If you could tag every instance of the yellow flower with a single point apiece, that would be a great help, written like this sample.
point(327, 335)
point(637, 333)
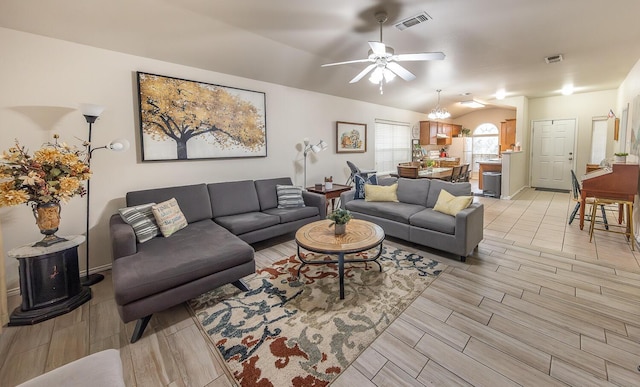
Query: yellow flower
point(68, 186)
point(46, 155)
point(13, 197)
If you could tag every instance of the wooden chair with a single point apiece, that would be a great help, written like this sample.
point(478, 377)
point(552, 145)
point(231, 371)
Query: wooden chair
point(577, 197)
point(626, 229)
point(408, 171)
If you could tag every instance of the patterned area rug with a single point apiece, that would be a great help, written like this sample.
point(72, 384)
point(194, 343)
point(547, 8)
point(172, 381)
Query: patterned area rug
point(297, 332)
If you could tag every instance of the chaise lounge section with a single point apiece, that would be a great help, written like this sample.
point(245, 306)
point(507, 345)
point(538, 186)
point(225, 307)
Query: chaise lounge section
point(211, 251)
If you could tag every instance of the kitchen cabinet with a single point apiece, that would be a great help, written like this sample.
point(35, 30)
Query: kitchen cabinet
point(455, 130)
point(507, 134)
point(435, 133)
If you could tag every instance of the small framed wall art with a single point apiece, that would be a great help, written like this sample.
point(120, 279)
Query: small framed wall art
point(351, 137)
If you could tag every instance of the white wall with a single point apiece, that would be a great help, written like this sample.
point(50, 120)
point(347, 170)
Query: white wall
point(583, 107)
point(628, 93)
point(476, 118)
point(45, 79)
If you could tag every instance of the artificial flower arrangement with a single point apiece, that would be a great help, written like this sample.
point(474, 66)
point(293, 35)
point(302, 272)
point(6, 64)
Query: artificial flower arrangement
point(53, 174)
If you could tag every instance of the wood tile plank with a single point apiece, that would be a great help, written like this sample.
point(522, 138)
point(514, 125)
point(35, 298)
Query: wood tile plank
point(196, 364)
point(434, 374)
point(537, 279)
point(24, 365)
point(67, 345)
point(515, 282)
point(555, 348)
point(610, 353)
point(487, 282)
point(622, 376)
point(404, 356)
point(392, 375)
point(435, 327)
point(351, 378)
point(509, 366)
point(525, 353)
point(532, 322)
point(460, 364)
point(472, 287)
point(574, 376)
point(369, 363)
point(461, 307)
point(567, 322)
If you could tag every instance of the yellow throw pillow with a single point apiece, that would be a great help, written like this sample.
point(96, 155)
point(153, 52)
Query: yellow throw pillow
point(380, 193)
point(451, 205)
point(169, 217)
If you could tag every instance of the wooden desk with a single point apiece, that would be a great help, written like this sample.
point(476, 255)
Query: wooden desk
point(331, 194)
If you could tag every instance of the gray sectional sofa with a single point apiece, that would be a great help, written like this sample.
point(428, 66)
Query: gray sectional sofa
point(213, 250)
point(413, 218)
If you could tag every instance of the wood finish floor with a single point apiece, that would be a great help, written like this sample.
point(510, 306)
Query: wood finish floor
point(536, 305)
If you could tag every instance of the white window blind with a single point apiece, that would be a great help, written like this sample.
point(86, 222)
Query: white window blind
point(393, 145)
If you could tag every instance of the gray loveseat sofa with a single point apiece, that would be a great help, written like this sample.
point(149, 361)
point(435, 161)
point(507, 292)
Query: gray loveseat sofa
point(413, 218)
point(213, 250)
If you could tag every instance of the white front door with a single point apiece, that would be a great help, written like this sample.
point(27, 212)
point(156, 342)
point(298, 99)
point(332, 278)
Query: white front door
point(552, 153)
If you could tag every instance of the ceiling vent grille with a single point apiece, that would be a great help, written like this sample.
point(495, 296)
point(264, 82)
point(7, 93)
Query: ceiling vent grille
point(554, 59)
point(412, 21)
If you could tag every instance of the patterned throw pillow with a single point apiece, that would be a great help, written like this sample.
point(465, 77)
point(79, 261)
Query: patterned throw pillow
point(169, 217)
point(451, 205)
point(142, 220)
point(289, 196)
point(360, 182)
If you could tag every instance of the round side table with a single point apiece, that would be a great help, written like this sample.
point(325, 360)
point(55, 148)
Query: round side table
point(49, 281)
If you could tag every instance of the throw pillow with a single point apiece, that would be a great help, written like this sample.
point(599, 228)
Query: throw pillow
point(451, 205)
point(142, 220)
point(169, 217)
point(360, 183)
point(381, 193)
point(289, 196)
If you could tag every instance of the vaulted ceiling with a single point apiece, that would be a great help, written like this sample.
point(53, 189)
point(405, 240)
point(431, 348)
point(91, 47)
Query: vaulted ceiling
point(489, 44)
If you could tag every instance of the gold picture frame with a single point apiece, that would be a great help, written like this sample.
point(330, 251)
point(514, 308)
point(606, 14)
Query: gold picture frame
point(351, 137)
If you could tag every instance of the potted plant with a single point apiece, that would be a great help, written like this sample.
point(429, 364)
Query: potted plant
point(340, 218)
point(620, 157)
point(465, 132)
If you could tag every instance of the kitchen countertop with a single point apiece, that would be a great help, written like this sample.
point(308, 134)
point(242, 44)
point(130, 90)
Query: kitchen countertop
point(493, 162)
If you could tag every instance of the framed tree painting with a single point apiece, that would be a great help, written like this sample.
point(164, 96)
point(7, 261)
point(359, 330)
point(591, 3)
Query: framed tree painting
point(188, 120)
point(351, 137)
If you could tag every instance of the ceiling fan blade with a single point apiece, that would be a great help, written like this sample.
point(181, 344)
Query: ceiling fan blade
point(401, 71)
point(363, 73)
point(419, 56)
point(378, 48)
point(347, 62)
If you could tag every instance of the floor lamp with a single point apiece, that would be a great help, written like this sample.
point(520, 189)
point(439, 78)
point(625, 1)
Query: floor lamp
point(319, 147)
point(91, 113)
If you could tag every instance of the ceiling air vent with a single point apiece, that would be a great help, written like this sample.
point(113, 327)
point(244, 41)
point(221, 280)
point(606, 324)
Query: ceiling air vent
point(554, 59)
point(412, 21)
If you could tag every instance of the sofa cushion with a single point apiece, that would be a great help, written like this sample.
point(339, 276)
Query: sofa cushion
point(359, 183)
point(287, 215)
point(455, 189)
point(451, 205)
point(400, 212)
point(266, 190)
point(434, 220)
point(200, 249)
point(380, 193)
point(192, 199)
point(289, 196)
point(169, 217)
point(413, 191)
point(141, 219)
point(247, 222)
point(234, 197)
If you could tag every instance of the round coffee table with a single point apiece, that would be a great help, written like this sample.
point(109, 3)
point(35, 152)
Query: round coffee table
point(360, 236)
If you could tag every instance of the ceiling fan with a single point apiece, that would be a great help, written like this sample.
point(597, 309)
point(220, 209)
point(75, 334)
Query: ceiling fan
point(384, 60)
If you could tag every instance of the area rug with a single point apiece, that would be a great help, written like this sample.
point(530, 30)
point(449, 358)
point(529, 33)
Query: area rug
point(289, 331)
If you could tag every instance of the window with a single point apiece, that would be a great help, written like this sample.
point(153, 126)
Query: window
point(393, 145)
point(486, 142)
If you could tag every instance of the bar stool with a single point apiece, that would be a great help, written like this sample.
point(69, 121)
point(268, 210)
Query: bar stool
point(628, 210)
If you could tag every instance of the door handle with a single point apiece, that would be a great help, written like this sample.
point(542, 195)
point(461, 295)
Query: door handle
point(570, 158)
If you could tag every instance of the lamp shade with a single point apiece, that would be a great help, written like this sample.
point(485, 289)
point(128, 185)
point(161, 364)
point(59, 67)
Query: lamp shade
point(92, 110)
point(119, 145)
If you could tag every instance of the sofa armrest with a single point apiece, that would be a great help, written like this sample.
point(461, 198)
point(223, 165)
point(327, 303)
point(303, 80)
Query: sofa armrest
point(123, 238)
point(346, 197)
point(470, 225)
point(313, 199)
